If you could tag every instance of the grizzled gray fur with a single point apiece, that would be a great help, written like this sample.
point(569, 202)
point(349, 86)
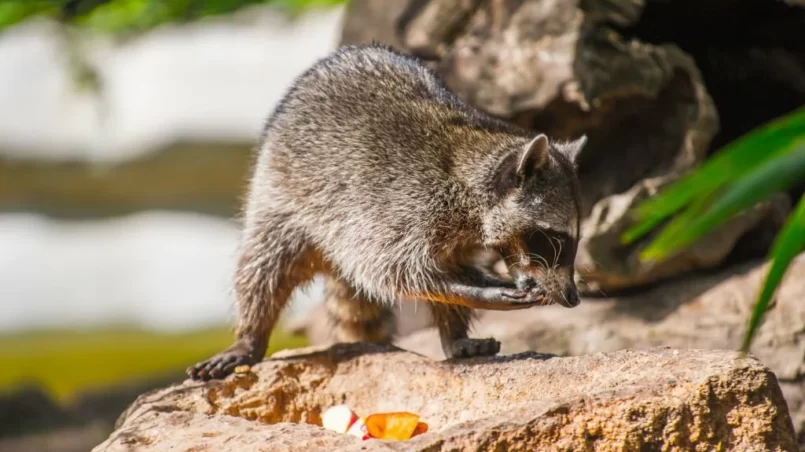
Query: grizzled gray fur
point(372, 172)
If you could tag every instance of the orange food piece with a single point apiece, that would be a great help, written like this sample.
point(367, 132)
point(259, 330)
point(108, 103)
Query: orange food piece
point(395, 426)
point(421, 428)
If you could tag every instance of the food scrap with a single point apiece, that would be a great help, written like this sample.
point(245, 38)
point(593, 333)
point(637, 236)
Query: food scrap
point(396, 426)
point(390, 426)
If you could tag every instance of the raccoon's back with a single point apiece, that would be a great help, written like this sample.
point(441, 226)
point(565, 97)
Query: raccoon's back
point(362, 155)
point(365, 123)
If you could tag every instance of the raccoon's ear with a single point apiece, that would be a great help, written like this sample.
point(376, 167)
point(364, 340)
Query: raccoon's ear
point(517, 166)
point(572, 149)
point(533, 156)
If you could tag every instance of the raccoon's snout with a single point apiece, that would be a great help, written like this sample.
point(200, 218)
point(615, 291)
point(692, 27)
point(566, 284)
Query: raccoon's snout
point(571, 298)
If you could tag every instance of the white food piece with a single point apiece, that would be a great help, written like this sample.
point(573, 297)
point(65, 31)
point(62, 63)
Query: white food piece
point(338, 418)
point(359, 429)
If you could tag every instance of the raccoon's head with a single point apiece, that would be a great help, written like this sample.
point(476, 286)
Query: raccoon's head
point(534, 220)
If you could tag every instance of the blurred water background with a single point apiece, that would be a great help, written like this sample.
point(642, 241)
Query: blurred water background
point(73, 257)
point(123, 162)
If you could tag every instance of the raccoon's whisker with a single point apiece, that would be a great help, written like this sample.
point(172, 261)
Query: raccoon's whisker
point(549, 239)
point(539, 260)
point(542, 261)
point(559, 253)
point(553, 245)
point(509, 256)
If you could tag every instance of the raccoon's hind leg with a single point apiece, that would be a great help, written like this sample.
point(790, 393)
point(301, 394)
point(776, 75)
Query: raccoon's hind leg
point(453, 322)
point(275, 259)
point(356, 317)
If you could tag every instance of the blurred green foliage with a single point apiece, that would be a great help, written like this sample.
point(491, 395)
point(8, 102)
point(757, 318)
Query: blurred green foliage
point(134, 16)
point(749, 170)
point(67, 362)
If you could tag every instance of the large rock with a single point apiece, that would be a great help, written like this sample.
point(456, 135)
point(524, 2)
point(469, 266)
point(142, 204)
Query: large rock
point(707, 312)
point(658, 399)
point(560, 68)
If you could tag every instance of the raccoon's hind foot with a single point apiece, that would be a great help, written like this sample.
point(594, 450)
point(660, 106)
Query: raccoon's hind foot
point(244, 352)
point(471, 348)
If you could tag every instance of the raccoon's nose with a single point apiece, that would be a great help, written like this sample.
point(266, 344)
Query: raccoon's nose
point(571, 298)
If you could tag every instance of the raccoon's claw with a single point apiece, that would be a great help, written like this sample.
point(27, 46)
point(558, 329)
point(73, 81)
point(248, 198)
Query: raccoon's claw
point(505, 298)
point(219, 366)
point(530, 296)
point(514, 294)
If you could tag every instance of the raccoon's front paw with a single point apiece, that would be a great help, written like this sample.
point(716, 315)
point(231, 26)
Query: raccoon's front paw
point(525, 296)
point(530, 286)
point(513, 294)
point(469, 348)
point(492, 297)
point(507, 298)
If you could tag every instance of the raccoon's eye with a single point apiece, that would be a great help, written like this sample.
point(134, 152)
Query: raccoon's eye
point(541, 248)
point(551, 246)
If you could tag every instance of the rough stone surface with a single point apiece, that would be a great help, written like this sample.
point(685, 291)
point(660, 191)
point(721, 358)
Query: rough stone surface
point(658, 399)
point(706, 312)
point(558, 67)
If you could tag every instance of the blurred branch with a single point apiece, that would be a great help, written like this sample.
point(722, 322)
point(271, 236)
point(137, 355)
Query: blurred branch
point(82, 72)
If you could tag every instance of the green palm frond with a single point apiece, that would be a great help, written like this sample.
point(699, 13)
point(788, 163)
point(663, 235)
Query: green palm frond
point(766, 161)
point(789, 242)
point(769, 177)
point(726, 167)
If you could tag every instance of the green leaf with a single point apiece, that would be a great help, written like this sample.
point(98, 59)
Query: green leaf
point(728, 165)
point(789, 242)
point(125, 17)
point(771, 177)
point(14, 12)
